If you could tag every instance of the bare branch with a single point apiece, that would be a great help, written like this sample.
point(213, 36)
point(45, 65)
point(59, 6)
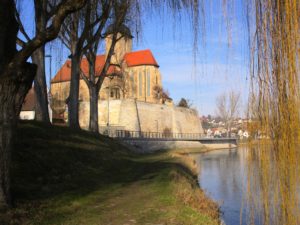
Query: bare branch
point(97, 35)
point(63, 9)
point(20, 42)
point(227, 107)
point(21, 27)
point(63, 37)
point(85, 78)
point(120, 38)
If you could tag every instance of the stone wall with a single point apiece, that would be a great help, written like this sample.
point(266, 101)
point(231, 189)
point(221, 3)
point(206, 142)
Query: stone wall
point(149, 146)
point(142, 146)
point(141, 116)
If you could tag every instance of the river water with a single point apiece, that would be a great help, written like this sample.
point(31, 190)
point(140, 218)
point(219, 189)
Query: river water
point(223, 177)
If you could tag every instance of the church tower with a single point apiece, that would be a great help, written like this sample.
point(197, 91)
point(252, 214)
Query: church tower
point(123, 46)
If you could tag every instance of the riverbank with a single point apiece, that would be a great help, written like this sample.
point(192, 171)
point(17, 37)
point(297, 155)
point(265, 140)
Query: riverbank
point(62, 176)
point(151, 146)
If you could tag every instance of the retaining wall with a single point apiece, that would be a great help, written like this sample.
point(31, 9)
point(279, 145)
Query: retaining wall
point(142, 116)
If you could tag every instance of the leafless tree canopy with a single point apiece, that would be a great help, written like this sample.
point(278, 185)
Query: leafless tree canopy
point(228, 107)
point(186, 103)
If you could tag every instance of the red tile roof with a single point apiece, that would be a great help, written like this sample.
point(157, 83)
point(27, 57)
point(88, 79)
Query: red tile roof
point(138, 58)
point(64, 74)
point(143, 57)
point(29, 102)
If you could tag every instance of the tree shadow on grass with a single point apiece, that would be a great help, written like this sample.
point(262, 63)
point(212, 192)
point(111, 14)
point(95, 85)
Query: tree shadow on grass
point(56, 167)
point(53, 161)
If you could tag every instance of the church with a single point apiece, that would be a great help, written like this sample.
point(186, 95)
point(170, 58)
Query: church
point(132, 75)
point(131, 96)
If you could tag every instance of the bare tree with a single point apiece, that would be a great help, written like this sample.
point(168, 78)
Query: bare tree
point(125, 84)
point(75, 31)
point(227, 108)
point(42, 9)
point(79, 32)
point(94, 84)
point(16, 75)
point(73, 39)
point(185, 103)
point(161, 94)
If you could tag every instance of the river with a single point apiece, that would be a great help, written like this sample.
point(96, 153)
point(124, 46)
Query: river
point(223, 177)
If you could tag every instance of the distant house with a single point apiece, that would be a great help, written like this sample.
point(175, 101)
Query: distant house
point(28, 107)
point(209, 133)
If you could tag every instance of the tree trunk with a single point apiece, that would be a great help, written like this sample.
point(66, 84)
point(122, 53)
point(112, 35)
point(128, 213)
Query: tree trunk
point(16, 77)
point(73, 100)
point(40, 88)
point(94, 109)
point(14, 85)
point(15, 81)
point(229, 129)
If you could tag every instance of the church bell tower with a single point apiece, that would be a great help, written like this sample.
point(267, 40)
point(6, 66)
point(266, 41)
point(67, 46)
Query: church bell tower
point(123, 46)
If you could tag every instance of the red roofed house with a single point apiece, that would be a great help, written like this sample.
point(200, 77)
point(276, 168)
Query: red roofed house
point(139, 75)
point(28, 107)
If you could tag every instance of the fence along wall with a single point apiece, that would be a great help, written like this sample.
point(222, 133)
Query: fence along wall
point(141, 116)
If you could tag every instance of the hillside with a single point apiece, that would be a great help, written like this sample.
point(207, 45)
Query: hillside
point(61, 176)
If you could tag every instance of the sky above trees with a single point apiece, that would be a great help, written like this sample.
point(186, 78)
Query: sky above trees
point(221, 61)
point(220, 66)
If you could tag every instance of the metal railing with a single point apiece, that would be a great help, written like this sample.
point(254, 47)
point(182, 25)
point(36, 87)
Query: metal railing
point(110, 130)
point(157, 135)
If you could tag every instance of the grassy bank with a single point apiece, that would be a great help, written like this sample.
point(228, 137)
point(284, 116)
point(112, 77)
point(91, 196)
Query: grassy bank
point(62, 176)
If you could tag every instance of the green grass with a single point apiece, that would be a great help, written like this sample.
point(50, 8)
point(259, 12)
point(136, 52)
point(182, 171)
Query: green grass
point(61, 176)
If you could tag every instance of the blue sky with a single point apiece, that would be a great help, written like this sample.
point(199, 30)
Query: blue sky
point(219, 67)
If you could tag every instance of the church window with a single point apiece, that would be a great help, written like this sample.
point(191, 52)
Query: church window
point(115, 93)
point(140, 84)
point(132, 83)
point(148, 82)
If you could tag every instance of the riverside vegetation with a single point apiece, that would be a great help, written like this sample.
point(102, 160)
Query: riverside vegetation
point(62, 176)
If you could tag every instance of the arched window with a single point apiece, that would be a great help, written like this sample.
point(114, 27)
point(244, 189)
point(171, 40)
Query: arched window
point(140, 84)
point(148, 82)
point(132, 84)
point(115, 93)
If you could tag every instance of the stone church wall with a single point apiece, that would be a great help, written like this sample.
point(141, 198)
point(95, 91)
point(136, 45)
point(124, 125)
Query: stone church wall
point(60, 90)
point(136, 115)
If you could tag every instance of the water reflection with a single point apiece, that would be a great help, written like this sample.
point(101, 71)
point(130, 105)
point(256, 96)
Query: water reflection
point(223, 175)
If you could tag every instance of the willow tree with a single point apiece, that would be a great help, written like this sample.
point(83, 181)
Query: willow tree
point(16, 75)
point(274, 27)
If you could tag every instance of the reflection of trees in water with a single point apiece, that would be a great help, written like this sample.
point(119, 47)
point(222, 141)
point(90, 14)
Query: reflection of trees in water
point(275, 104)
point(227, 171)
point(243, 180)
point(223, 177)
point(275, 202)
